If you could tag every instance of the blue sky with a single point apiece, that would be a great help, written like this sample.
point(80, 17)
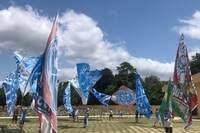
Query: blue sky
point(141, 31)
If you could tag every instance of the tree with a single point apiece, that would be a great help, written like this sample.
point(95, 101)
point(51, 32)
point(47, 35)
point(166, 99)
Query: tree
point(195, 64)
point(125, 68)
point(153, 89)
point(2, 97)
point(125, 76)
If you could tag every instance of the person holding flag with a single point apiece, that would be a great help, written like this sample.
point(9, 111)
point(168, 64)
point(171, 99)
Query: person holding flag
point(184, 91)
point(166, 109)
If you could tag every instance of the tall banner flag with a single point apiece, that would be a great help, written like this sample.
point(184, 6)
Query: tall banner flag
point(166, 106)
point(103, 98)
point(86, 79)
point(142, 103)
point(10, 86)
point(184, 91)
point(25, 66)
point(124, 96)
point(44, 84)
point(67, 99)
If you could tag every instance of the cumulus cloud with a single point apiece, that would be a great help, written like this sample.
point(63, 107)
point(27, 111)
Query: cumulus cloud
point(80, 40)
point(23, 29)
point(190, 27)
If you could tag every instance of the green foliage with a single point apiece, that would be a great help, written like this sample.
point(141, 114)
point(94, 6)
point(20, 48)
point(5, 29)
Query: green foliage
point(153, 88)
point(195, 64)
point(2, 97)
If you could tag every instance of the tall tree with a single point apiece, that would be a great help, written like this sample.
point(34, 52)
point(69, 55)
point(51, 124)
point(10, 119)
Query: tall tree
point(153, 87)
point(125, 76)
point(195, 64)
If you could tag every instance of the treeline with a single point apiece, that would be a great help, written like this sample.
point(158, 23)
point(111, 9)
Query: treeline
point(110, 83)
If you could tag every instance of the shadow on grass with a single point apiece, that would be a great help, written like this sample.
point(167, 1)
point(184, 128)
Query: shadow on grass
point(68, 127)
point(12, 131)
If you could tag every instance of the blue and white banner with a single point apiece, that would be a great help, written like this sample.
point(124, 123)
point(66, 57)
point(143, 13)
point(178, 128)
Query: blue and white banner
point(124, 96)
point(11, 85)
point(44, 84)
point(103, 98)
point(142, 103)
point(67, 99)
point(87, 79)
point(25, 66)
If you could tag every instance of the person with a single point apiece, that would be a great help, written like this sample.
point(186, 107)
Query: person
point(22, 118)
point(158, 118)
point(86, 118)
point(76, 115)
point(120, 114)
point(111, 115)
point(73, 114)
point(136, 116)
point(168, 121)
point(15, 116)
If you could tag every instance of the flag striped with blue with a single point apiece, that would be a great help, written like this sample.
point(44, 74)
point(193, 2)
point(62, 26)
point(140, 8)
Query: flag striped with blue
point(142, 102)
point(103, 98)
point(67, 99)
point(11, 85)
point(87, 79)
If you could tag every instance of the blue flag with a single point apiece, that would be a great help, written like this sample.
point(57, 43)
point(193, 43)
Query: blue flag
point(25, 66)
point(44, 83)
point(142, 103)
point(10, 85)
point(87, 79)
point(124, 96)
point(103, 98)
point(67, 99)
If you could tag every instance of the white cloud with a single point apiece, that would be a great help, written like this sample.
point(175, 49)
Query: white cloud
point(190, 27)
point(80, 40)
point(23, 29)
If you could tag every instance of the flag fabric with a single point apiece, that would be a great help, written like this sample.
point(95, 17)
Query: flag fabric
point(184, 91)
point(166, 106)
point(10, 86)
point(142, 102)
point(87, 79)
point(124, 96)
point(103, 98)
point(67, 99)
point(74, 82)
point(44, 84)
point(25, 66)
point(18, 79)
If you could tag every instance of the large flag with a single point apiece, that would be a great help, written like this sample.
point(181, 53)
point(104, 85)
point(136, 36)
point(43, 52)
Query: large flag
point(184, 92)
point(166, 105)
point(74, 82)
point(142, 103)
point(44, 84)
point(86, 79)
point(67, 99)
point(124, 96)
point(103, 98)
point(10, 85)
point(25, 66)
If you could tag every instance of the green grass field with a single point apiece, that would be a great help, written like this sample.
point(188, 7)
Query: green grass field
point(97, 125)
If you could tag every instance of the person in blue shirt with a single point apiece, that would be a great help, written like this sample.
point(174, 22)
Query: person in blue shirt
point(158, 118)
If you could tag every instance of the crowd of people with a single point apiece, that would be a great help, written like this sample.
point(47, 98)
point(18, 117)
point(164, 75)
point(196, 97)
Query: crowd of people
point(20, 113)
